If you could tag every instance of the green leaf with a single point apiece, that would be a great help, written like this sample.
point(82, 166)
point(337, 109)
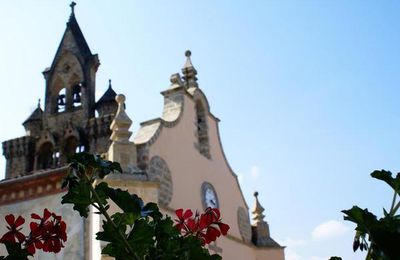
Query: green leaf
point(80, 196)
point(386, 176)
point(102, 191)
point(384, 233)
point(141, 237)
point(15, 251)
point(124, 218)
point(151, 209)
point(110, 234)
point(126, 201)
point(116, 250)
point(362, 217)
point(70, 180)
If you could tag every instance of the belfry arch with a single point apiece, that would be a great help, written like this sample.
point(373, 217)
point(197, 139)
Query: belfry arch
point(44, 159)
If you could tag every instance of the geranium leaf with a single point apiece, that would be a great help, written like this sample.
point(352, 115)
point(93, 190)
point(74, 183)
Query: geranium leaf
point(386, 176)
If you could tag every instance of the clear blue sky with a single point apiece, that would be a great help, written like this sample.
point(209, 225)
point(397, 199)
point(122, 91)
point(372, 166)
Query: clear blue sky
point(307, 91)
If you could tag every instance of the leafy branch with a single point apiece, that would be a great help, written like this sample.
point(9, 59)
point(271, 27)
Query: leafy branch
point(381, 237)
point(139, 231)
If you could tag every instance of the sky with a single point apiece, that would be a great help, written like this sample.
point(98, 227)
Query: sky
point(307, 93)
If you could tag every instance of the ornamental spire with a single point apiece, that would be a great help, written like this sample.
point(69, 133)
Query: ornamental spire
point(260, 229)
point(121, 149)
point(121, 123)
point(258, 210)
point(189, 72)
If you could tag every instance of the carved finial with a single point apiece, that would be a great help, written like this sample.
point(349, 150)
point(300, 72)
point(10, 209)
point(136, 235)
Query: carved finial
point(109, 83)
point(176, 80)
point(121, 123)
point(258, 210)
point(261, 235)
point(38, 105)
point(72, 5)
point(189, 72)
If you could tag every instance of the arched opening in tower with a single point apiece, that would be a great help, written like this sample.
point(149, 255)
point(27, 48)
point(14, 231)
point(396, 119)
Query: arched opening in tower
point(77, 95)
point(45, 156)
point(71, 145)
point(61, 100)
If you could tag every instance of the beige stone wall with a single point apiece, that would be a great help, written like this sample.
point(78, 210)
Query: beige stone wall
point(270, 253)
point(74, 247)
point(189, 169)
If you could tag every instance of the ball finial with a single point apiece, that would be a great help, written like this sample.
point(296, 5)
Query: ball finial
point(120, 98)
point(188, 53)
point(256, 194)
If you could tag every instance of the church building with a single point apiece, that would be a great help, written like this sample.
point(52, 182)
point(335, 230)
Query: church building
point(176, 160)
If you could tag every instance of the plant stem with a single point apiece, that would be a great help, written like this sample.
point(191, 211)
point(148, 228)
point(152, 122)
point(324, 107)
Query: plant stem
point(393, 202)
point(396, 208)
point(369, 257)
point(104, 212)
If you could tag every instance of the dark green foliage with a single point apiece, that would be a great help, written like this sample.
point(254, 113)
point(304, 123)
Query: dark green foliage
point(80, 196)
point(381, 237)
point(386, 176)
point(15, 252)
point(137, 232)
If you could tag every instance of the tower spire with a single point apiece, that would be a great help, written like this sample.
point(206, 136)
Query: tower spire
point(189, 72)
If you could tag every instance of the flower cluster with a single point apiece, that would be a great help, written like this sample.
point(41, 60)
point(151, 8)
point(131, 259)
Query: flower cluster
point(48, 234)
point(206, 226)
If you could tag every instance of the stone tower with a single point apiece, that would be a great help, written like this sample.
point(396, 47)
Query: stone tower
point(68, 123)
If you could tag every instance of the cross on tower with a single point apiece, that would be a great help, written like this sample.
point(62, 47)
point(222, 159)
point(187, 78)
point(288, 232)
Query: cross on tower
point(72, 5)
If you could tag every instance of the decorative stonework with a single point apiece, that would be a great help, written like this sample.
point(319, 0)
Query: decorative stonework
point(121, 149)
point(260, 229)
point(159, 171)
point(244, 224)
point(31, 187)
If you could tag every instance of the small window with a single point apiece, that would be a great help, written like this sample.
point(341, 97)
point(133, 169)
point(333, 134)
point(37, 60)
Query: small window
point(80, 148)
point(56, 158)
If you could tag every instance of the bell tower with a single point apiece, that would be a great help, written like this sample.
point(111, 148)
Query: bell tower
point(68, 123)
point(70, 80)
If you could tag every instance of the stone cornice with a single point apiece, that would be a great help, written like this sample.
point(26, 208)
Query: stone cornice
point(32, 186)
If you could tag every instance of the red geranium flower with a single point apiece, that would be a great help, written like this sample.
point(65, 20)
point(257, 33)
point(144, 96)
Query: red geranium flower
point(224, 228)
point(13, 232)
point(182, 217)
point(207, 227)
point(48, 235)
